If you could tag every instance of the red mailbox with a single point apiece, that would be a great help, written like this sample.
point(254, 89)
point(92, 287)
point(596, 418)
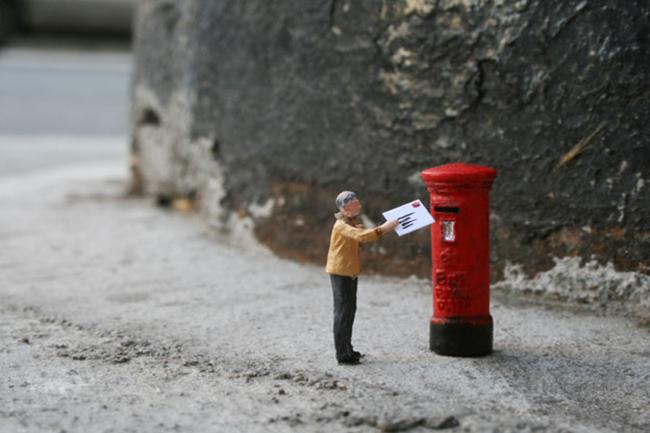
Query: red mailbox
point(460, 253)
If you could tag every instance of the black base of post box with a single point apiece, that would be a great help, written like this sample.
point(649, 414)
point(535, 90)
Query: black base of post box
point(457, 337)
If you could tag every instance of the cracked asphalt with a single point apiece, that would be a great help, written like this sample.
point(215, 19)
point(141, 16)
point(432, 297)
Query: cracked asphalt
point(119, 316)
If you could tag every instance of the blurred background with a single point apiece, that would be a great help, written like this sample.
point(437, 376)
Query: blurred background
point(257, 113)
point(65, 67)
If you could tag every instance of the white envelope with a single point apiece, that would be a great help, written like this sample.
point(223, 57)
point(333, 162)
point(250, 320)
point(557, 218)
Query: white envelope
point(411, 216)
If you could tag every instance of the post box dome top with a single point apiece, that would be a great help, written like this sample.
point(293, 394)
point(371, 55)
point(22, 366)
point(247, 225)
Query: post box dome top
point(460, 172)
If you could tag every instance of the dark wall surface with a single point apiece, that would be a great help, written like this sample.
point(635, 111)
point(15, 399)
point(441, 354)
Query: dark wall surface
point(240, 102)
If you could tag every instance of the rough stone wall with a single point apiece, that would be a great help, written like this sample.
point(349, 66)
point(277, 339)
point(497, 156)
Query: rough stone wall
point(262, 111)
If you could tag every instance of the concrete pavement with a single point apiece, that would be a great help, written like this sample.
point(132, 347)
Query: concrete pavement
point(64, 91)
point(120, 316)
point(20, 154)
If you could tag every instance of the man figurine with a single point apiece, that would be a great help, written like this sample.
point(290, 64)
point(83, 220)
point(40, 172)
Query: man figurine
point(344, 266)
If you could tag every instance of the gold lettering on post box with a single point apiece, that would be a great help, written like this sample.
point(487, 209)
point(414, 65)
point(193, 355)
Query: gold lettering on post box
point(440, 283)
point(451, 291)
point(447, 257)
point(456, 283)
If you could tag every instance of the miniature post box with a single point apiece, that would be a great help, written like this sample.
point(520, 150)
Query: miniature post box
point(461, 324)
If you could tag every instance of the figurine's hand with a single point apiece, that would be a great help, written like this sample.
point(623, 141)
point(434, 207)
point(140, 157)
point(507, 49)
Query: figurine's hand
point(389, 226)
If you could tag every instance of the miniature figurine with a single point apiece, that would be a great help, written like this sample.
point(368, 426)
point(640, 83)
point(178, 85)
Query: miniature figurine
point(344, 266)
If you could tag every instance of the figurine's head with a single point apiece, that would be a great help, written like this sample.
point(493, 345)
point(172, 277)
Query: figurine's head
point(348, 203)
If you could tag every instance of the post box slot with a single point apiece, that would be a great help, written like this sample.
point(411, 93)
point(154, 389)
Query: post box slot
point(447, 209)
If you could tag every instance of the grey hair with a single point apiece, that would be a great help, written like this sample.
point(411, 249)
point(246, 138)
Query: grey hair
point(344, 198)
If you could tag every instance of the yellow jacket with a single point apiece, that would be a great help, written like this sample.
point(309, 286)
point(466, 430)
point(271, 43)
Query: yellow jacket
point(343, 254)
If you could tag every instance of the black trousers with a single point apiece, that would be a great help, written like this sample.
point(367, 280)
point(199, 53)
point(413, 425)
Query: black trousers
point(344, 290)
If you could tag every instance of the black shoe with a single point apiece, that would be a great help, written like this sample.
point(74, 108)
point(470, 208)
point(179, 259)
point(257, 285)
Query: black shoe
point(357, 355)
point(349, 361)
